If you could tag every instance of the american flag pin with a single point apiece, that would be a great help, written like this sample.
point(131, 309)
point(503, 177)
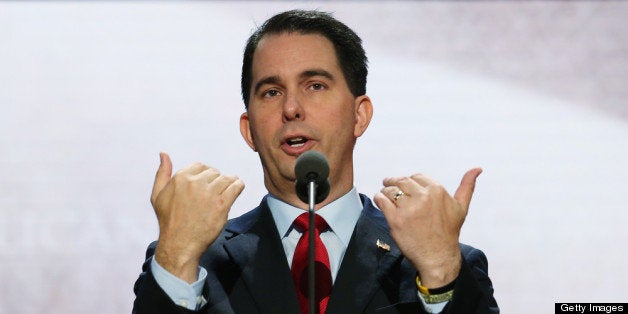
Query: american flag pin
point(382, 245)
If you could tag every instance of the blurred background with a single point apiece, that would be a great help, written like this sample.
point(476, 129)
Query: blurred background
point(534, 92)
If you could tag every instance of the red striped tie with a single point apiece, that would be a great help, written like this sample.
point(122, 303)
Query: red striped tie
point(321, 261)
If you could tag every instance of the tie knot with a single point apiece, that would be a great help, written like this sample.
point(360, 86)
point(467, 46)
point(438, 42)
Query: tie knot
point(302, 222)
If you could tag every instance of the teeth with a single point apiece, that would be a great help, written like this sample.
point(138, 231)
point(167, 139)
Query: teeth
point(296, 142)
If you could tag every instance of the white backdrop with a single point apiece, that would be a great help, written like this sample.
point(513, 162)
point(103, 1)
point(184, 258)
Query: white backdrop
point(535, 93)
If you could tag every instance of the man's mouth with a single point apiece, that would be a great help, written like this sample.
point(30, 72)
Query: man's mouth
point(296, 141)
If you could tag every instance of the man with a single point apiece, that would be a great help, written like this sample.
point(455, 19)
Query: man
point(304, 88)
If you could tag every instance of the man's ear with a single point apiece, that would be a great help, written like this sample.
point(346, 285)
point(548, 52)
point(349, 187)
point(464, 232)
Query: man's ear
point(363, 115)
point(245, 130)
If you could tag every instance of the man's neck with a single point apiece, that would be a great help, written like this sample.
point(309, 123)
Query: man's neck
point(289, 195)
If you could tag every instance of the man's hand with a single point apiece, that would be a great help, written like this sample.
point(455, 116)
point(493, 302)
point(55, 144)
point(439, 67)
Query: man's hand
point(425, 222)
point(192, 208)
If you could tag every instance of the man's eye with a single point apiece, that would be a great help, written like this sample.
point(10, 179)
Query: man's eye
point(317, 86)
point(271, 93)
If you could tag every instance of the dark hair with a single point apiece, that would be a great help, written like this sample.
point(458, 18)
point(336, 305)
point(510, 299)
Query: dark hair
point(348, 45)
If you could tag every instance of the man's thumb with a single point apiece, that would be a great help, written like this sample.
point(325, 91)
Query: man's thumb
point(164, 172)
point(467, 186)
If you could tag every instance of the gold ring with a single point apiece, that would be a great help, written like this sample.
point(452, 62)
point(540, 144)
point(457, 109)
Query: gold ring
point(398, 195)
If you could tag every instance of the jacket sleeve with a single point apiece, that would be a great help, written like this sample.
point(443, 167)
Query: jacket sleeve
point(473, 292)
point(149, 296)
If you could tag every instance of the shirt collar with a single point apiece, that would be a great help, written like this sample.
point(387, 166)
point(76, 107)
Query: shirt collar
point(341, 215)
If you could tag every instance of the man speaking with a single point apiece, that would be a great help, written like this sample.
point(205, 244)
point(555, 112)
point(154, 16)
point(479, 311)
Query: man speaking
point(304, 89)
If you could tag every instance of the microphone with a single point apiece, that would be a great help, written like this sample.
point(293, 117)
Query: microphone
point(312, 187)
point(312, 166)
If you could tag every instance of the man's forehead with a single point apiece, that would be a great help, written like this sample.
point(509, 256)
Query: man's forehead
point(297, 50)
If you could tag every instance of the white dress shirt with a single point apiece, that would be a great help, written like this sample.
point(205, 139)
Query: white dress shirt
point(341, 215)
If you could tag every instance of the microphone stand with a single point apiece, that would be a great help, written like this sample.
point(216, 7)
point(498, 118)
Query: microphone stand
point(311, 274)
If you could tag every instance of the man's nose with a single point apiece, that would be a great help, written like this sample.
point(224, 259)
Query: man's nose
point(292, 109)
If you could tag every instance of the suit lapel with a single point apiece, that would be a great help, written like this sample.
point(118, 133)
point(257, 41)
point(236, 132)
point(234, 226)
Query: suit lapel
point(367, 267)
point(260, 255)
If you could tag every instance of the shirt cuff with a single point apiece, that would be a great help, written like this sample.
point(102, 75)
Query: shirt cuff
point(180, 292)
point(432, 307)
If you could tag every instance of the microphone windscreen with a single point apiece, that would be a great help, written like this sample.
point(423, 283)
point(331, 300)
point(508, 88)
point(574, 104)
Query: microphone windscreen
point(312, 166)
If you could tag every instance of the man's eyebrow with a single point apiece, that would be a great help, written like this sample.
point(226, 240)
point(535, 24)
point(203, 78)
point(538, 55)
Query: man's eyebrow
point(316, 72)
point(264, 81)
point(267, 80)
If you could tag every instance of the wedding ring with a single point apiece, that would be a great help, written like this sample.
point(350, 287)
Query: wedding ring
point(398, 195)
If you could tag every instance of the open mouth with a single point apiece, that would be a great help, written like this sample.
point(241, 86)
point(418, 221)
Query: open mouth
point(296, 141)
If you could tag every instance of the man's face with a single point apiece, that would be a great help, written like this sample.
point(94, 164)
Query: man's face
point(300, 101)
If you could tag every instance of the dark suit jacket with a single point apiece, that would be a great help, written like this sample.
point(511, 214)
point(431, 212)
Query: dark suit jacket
point(248, 273)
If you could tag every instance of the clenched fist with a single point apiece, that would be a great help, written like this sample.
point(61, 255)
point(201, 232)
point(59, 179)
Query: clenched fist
point(192, 209)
